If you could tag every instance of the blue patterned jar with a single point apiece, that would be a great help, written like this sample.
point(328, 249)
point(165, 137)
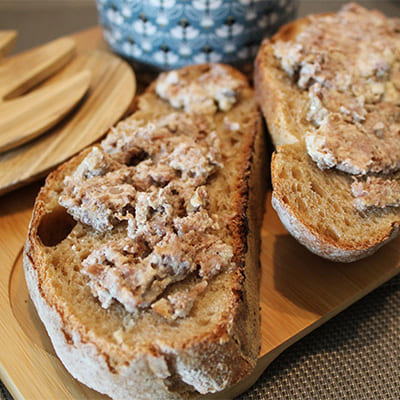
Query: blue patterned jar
point(169, 34)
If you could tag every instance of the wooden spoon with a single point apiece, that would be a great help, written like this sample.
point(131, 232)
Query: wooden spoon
point(7, 41)
point(24, 118)
point(23, 71)
point(110, 95)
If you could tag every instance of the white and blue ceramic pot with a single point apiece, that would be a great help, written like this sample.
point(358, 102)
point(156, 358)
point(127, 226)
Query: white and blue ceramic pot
point(172, 33)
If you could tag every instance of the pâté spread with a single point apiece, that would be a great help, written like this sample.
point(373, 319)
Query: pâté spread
point(152, 177)
point(349, 65)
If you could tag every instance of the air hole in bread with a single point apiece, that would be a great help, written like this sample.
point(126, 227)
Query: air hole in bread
point(296, 173)
point(331, 234)
point(137, 158)
point(246, 120)
point(302, 206)
point(316, 188)
point(204, 322)
point(55, 226)
point(282, 174)
point(337, 208)
point(234, 141)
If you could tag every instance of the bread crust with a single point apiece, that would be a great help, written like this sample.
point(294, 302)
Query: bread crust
point(268, 81)
point(315, 240)
point(191, 365)
point(275, 92)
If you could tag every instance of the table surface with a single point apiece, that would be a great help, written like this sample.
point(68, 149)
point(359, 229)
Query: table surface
point(356, 355)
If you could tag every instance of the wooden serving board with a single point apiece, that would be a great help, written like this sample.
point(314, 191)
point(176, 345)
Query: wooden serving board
point(299, 292)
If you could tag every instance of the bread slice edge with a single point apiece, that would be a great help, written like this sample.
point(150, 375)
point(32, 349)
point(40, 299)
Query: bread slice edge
point(88, 363)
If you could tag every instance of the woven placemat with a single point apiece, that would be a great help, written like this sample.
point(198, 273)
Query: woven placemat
point(4, 393)
point(356, 355)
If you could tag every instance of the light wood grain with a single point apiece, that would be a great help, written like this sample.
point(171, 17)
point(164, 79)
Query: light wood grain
point(110, 94)
point(24, 118)
point(299, 292)
point(24, 71)
point(7, 41)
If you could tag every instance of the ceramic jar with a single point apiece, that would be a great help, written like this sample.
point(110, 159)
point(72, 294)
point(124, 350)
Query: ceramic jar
point(172, 33)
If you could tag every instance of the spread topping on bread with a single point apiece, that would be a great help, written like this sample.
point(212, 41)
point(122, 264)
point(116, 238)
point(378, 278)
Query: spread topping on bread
point(348, 64)
point(179, 304)
point(375, 192)
point(100, 192)
point(212, 91)
point(353, 149)
point(119, 272)
point(151, 180)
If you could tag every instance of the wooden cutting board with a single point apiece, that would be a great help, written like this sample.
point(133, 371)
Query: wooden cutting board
point(299, 292)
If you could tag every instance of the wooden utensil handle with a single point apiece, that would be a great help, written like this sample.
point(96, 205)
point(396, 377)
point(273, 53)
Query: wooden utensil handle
point(20, 73)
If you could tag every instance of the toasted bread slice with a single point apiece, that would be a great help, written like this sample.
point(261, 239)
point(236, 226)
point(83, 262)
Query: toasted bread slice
point(328, 89)
point(142, 257)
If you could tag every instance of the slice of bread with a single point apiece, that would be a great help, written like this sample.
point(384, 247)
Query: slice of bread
point(142, 256)
point(328, 87)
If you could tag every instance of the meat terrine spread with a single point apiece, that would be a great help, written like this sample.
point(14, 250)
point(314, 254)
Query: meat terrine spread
point(212, 91)
point(375, 192)
point(150, 179)
point(348, 64)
